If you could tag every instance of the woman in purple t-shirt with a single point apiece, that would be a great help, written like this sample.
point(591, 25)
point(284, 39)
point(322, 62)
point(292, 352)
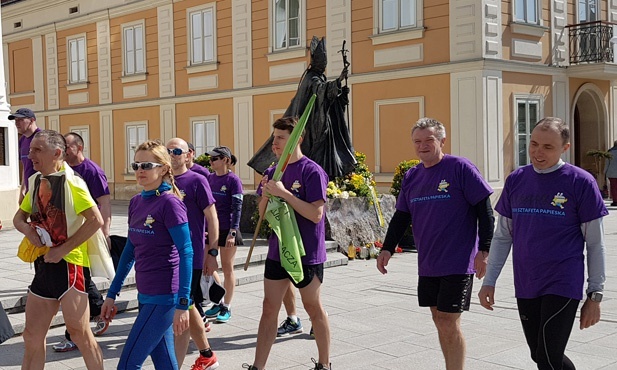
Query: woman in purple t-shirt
point(227, 191)
point(159, 245)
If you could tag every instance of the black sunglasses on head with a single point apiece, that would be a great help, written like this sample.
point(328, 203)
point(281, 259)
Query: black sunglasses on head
point(144, 165)
point(176, 151)
point(212, 159)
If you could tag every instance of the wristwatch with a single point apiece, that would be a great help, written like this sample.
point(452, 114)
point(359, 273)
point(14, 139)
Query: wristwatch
point(595, 296)
point(232, 233)
point(213, 252)
point(184, 301)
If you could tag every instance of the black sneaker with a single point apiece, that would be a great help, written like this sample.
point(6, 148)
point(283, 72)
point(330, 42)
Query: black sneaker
point(249, 367)
point(319, 366)
point(289, 327)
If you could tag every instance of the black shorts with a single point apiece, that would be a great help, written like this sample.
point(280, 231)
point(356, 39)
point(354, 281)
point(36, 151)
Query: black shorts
point(275, 271)
point(53, 280)
point(197, 295)
point(223, 238)
point(451, 293)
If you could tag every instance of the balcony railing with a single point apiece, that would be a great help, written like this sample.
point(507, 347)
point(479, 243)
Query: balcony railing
point(590, 42)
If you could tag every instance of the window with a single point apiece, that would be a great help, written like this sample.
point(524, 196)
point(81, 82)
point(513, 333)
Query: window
point(84, 132)
point(204, 135)
point(526, 11)
point(527, 115)
point(134, 53)
point(287, 24)
point(587, 10)
point(135, 135)
point(397, 14)
point(77, 60)
point(202, 33)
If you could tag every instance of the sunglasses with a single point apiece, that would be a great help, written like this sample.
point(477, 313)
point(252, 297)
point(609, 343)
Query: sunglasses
point(213, 159)
point(176, 151)
point(145, 165)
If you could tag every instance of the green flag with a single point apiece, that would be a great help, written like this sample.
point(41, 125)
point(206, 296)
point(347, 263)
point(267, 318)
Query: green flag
point(281, 217)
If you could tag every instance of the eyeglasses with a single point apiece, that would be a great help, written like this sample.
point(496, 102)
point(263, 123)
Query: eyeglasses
point(145, 165)
point(213, 159)
point(176, 151)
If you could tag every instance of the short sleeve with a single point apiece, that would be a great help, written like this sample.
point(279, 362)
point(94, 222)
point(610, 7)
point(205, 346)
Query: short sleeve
point(203, 194)
point(26, 204)
point(268, 172)
point(316, 183)
point(503, 206)
point(98, 187)
point(236, 186)
point(401, 202)
point(174, 212)
point(82, 200)
point(473, 184)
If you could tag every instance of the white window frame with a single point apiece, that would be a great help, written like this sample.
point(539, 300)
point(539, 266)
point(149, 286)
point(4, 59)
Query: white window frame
point(379, 14)
point(518, 18)
point(526, 99)
point(130, 146)
point(69, 60)
point(204, 143)
point(578, 10)
point(209, 7)
point(84, 132)
point(301, 26)
point(125, 53)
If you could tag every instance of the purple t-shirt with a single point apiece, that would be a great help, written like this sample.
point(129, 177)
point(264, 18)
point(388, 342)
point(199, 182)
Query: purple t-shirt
point(94, 176)
point(223, 188)
point(547, 211)
point(197, 197)
point(24, 149)
point(440, 200)
point(200, 170)
point(307, 181)
point(156, 257)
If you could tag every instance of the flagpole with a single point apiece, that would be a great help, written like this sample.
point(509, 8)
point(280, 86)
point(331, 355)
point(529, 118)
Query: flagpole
point(282, 165)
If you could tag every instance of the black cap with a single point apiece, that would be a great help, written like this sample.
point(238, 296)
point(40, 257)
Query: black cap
point(22, 113)
point(220, 151)
point(191, 147)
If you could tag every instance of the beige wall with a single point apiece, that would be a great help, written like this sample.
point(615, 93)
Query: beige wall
point(396, 116)
point(85, 119)
point(20, 69)
point(436, 48)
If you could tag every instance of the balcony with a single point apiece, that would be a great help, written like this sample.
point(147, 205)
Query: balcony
point(592, 53)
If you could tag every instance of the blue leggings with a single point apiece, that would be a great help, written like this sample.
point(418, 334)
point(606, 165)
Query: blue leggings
point(152, 334)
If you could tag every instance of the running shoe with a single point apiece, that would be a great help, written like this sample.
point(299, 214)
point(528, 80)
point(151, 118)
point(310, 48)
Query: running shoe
point(224, 315)
point(205, 363)
point(289, 327)
point(64, 346)
point(319, 366)
point(213, 311)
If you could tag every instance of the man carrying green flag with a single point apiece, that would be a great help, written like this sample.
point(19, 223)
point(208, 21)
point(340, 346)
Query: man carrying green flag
point(302, 188)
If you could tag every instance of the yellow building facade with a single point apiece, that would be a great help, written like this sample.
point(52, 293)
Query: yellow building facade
point(219, 73)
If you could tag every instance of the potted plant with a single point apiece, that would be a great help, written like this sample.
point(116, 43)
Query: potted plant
point(399, 173)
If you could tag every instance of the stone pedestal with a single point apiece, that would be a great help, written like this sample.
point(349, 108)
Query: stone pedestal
point(352, 220)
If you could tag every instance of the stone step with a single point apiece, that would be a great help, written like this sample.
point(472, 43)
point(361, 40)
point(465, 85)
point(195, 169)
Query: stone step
point(128, 296)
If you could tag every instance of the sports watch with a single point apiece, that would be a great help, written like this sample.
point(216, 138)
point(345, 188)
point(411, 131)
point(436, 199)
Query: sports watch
point(213, 252)
point(232, 233)
point(595, 296)
point(184, 301)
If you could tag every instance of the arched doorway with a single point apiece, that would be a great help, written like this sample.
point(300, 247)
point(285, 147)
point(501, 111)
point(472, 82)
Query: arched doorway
point(590, 128)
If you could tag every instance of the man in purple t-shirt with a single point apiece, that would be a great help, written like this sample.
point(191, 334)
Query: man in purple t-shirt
point(447, 202)
point(191, 165)
point(25, 122)
point(201, 213)
point(303, 188)
point(549, 212)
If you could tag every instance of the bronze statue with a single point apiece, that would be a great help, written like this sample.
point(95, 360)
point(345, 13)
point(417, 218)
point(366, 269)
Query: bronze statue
point(326, 140)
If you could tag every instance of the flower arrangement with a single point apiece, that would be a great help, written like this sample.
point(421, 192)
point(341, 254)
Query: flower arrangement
point(355, 184)
point(399, 174)
point(204, 160)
